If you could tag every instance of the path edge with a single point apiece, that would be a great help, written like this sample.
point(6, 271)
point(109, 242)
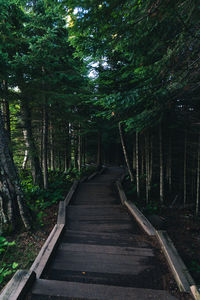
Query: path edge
point(18, 286)
point(180, 272)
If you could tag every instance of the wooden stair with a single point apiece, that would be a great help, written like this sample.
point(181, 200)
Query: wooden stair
point(103, 254)
point(52, 289)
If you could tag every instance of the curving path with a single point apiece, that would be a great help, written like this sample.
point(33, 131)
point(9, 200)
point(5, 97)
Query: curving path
point(103, 254)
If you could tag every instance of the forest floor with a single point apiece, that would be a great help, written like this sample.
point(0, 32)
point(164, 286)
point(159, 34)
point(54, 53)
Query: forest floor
point(181, 225)
point(184, 230)
point(27, 245)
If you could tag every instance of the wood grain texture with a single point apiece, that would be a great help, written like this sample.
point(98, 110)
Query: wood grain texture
point(18, 286)
point(73, 290)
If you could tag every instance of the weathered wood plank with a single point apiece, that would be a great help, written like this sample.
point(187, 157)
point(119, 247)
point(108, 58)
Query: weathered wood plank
point(112, 239)
point(102, 263)
point(18, 286)
point(127, 251)
point(143, 280)
point(178, 268)
point(195, 290)
point(61, 219)
point(142, 220)
point(105, 227)
point(64, 256)
point(71, 192)
point(121, 192)
point(123, 217)
point(75, 290)
point(76, 210)
point(47, 250)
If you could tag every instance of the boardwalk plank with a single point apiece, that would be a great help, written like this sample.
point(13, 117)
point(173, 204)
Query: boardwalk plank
point(103, 253)
point(70, 290)
point(99, 238)
point(127, 251)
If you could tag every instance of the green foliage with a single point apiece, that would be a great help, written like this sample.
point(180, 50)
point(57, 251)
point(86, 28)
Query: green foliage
point(4, 244)
point(59, 184)
point(152, 208)
point(6, 269)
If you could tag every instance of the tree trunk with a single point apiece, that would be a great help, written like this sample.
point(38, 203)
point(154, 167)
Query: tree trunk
point(151, 162)
point(69, 146)
point(198, 177)
point(25, 161)
point(161, 165)
point(52, 159)
point(12, 202)
point(185, 171)
point(79, 149)
point(84, 151)
point(6, 110)
point(75, 150)
point(170, 164)
point(30, 144)
point(134, 156)
point(137, 164)
point(45, 146)
point(125, 152)
point(147, 165)
point(99, 151)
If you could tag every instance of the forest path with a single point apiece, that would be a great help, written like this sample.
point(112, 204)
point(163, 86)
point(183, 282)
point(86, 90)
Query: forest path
point(103, 254)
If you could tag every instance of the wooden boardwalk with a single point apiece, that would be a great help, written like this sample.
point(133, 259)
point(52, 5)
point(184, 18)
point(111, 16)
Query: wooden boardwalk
point(103, 254)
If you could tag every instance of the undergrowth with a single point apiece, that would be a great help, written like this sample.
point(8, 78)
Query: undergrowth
point(13, 255)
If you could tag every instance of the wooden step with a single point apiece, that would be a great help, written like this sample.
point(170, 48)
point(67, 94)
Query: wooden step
point(100, 218)
point(146, 279)
point(111, 239)
point(116, 250)
point(96, 210)
point(100, 226)
point(103, 263)
point(52, 289)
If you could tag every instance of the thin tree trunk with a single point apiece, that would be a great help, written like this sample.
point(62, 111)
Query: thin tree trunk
point(142, 161)
point(30, 144)
point(12, 201)
point(24, 164)
point(41, 144)
point(84, 150)
point(59, 161)
point(69, 147)
point(75, 150)
point(198, 177)
point(134, 156)
point(185, 170)
point(6, 110)
point(137, 164)
point(147, 165)
point(45, 145)
point(99, 151)
point(79, 149)
point(125, 152)
point(151, 162)
point(52, 160)
point(161, 165)
point(170, 164)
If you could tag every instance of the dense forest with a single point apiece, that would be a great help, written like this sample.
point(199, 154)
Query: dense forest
point(102, 82)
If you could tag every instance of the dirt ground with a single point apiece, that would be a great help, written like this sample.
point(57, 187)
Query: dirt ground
point(184, 230)
point(28, 244)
